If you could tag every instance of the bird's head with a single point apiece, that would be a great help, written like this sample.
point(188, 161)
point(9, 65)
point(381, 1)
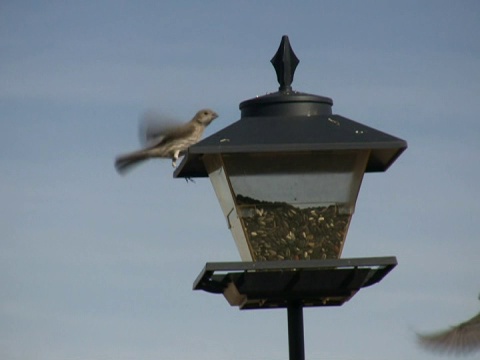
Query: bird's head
point(205, 116)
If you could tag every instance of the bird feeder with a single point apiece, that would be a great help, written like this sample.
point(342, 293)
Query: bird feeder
point(287, 176)
point(288, 173)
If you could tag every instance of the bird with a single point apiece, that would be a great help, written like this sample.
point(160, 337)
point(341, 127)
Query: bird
point(168, 142)
point(463, 338)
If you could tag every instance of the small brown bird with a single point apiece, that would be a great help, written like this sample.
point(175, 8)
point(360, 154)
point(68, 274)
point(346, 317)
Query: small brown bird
point(168, 142)
point(463, 338)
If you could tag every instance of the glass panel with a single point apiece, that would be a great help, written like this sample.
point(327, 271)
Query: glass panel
point(221, 185)
point(295, 205)
point(301, 180)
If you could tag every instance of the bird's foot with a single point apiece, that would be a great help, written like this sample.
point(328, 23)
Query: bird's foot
point(175, 158)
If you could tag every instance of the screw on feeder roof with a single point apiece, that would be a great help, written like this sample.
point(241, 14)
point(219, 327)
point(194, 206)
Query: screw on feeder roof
point(285, 62)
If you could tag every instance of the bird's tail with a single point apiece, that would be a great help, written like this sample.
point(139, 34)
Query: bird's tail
point(126, 162)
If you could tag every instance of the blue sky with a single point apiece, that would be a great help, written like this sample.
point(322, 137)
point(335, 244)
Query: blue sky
point(97, 266)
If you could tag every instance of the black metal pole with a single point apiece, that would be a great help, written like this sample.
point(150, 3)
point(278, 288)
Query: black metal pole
point(296, 345)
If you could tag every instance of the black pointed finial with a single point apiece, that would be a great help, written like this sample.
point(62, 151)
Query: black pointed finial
point(285, 62)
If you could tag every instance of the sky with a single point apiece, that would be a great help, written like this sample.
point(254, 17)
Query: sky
point(96, 266)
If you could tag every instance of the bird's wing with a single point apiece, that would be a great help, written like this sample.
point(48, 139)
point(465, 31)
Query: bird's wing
point(177, 132)
point(153, 127)
point(462, 338)
point(170, 134)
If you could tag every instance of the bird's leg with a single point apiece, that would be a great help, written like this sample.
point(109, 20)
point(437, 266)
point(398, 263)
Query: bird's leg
point(175, 158)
